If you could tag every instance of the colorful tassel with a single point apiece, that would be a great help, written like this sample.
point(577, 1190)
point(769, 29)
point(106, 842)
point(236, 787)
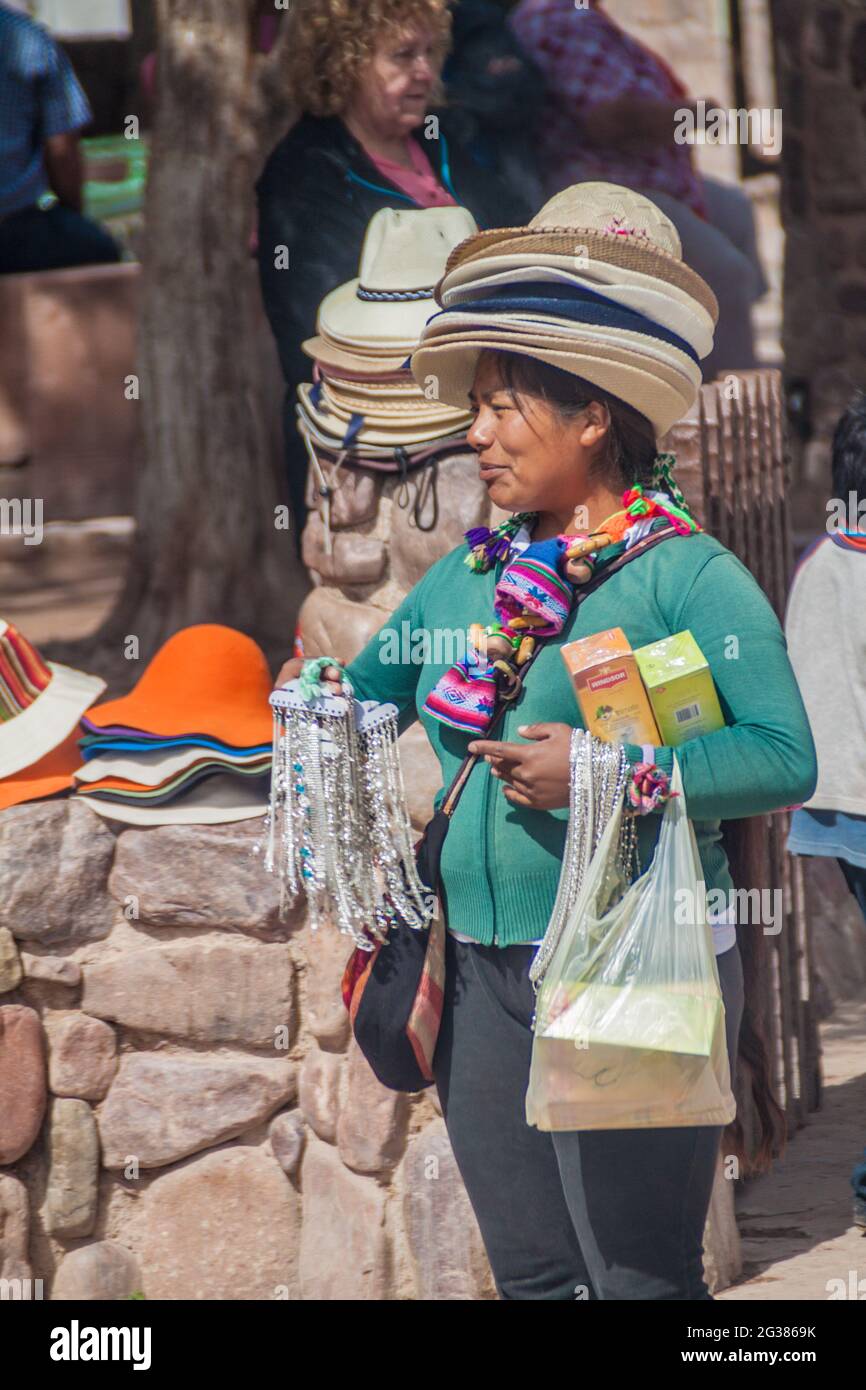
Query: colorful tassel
point(487, 547)
point(648, 789)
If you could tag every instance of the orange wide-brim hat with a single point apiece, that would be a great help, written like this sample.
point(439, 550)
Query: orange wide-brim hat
point(208, 680)
point(47, 777)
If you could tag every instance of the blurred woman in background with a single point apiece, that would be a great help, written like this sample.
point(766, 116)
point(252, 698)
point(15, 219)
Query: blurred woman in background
point(366, 75)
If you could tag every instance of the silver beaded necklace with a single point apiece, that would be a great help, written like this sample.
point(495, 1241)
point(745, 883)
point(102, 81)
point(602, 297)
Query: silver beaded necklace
point(598, 773)
point(337, 826)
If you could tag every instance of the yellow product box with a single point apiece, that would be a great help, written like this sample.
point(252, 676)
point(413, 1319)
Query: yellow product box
point(680, 688)
point(609, 689)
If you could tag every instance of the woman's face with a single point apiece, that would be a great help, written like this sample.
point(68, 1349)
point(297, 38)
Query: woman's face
point(394, 89)
point(531, 459)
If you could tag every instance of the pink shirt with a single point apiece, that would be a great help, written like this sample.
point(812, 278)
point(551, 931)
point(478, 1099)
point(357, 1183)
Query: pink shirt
point(419, 182)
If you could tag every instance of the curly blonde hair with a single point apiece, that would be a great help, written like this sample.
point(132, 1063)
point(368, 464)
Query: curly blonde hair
point(332, 40)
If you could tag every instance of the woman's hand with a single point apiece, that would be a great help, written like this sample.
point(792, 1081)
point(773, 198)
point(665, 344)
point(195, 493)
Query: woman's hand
point(535, 774)
point(291, 670)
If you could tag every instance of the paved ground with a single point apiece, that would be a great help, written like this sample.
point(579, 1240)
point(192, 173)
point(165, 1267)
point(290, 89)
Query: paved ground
point(795, 1222)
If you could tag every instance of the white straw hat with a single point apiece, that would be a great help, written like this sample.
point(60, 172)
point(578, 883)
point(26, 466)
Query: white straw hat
point(403, 257)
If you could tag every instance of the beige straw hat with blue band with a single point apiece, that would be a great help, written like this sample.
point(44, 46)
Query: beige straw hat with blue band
point(639, 335)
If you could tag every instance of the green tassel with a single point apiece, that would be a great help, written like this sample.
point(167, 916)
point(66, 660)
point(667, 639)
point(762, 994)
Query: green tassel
point(311, 675)
point(663, 478)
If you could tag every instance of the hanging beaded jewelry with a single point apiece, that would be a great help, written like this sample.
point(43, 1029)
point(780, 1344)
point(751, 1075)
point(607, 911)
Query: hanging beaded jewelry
point(598, 775)
point(337, 825)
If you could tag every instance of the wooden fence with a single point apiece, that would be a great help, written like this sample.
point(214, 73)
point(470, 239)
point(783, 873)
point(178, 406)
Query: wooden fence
point(733, 467)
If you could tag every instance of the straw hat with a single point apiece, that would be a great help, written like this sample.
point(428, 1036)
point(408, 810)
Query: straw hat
point(366, 363)
point(328, 446)
point(670, 307)
point(207, 680)
point(595, 285)
point(411, 428)
point(41, 702)
point(598, 221)
point(402, 258)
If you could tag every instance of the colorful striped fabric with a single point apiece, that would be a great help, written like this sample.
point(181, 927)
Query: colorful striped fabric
point(465, 696)
point(23, 673)
point(533, 582)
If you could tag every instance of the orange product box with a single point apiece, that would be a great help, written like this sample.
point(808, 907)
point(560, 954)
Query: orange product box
point(609, 689)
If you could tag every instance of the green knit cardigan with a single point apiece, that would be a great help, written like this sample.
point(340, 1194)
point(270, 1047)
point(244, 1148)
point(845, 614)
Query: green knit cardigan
point(501, 863)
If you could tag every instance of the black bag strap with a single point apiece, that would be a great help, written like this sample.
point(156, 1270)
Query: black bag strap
point(452, 796)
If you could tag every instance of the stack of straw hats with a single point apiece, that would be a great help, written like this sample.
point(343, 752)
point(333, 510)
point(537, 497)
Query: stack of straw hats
point(41, 703)
point(192, 741)
point(363, 399)
point(595, 285)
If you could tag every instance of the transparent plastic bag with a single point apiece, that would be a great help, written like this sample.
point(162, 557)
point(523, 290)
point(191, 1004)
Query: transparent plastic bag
point(630, 1023)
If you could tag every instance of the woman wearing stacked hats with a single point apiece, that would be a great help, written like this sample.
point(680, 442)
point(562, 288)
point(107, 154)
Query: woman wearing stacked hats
point(576, 343)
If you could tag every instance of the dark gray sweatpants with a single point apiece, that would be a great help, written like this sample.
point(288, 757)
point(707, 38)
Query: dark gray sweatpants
point(600, 1214)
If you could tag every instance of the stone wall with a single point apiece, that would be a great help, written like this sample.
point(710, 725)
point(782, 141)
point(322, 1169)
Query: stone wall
point(183, 1113)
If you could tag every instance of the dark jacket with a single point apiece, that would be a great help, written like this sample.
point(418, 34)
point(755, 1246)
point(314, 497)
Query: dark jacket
point(316, 195)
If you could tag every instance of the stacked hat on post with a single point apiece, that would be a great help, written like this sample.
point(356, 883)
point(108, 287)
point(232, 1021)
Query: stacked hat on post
point(192, 741)
point(41, 703)
point(595, 285)
point(364, 400)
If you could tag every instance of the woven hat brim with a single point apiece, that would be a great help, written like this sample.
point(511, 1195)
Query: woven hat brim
point(219, 800)
point(378, 454)
point(44, 724)
point(389, 416)
point(601, 272)
point(433, 413)
point(626, 375)
point(371, 390)
point(632, 253)
point(662, 304)
point(523, 336)
point(341, 359)
point(407, 432)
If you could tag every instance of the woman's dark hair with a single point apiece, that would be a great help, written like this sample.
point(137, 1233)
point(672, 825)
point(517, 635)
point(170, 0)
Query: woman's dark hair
point(849, 451)
point(631, 447)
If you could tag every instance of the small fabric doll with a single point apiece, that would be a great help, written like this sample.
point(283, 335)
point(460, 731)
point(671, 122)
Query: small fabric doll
point(533, 599)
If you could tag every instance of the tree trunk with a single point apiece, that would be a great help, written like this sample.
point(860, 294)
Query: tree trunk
point(208, 546)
